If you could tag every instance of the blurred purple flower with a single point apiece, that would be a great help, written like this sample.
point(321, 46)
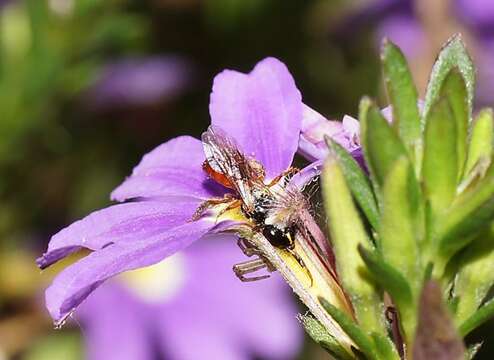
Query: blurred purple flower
point(198, 310)
point(140, 81)
point(477, 14)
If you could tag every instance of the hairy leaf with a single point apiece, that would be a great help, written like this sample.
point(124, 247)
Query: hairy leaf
point(358, 183)
point(355, 332)
point(319, 334)
point(454, 89)
point(382, 146)
point(481, 139)
point(347, 232)
point(453, 54)
point(440, 166)
point(402, 94)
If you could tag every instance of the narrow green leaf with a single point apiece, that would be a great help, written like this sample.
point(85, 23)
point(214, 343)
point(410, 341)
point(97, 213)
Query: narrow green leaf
point(319, 334)
point(402, 94)
point(399, 244)
point(388, 277)
point(471, 212)
point(355, 332)
point(436, 336)
point(440, 166)
point(358, 183)
point(478, 318)
point(382, 146)
point(385, 347)
point(476, 275)
point(454, 89)
point(398, 287)
point(453, 54)
point(481, 139)
point(347, 232)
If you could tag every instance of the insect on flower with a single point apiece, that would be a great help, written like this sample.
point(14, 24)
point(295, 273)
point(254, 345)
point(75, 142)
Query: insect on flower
point(274, 209)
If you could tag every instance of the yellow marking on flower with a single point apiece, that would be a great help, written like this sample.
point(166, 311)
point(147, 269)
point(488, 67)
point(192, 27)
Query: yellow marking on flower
point(314, 278)
point(234, 214)
point(159, 282)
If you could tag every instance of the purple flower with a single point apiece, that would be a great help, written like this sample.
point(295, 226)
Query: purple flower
point(315, 126)
point(140, 81)
point(261, 110)
point(191, 294)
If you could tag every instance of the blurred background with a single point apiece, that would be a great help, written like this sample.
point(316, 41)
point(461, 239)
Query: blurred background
point(89, 86)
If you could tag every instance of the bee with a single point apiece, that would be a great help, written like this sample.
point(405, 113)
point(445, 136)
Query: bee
point(274, 209)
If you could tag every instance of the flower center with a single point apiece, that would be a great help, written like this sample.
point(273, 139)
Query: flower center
point(160, 282)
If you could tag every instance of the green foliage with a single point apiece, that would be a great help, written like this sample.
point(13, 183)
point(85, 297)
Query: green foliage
point(440, 166)
point(402, 94)
point(347, 232)
point(453, 55)
point(358, 183)
point(429, 199)
point(356, 333)
point(320, 335)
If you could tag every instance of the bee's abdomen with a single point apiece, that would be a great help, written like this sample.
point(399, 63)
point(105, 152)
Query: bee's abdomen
point(280, 238)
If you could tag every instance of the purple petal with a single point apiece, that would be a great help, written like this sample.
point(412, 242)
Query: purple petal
point(315, 127)
point(119, 223)
point(262, 110)
point(405, 31)
point(140, 81)
point(200, 341)
point(485, 76)
point(235, 318)
point(77, 281)
point(172, 169)
point(477, 13)
point(307, 174)
point(114, 326)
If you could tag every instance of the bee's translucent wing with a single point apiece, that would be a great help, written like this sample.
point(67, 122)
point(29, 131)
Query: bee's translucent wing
point(224, 156)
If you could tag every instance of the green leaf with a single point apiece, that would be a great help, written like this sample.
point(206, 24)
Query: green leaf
point(398, 232)
point(387, 277)
point(402, 94)
point(347, 232)
point(478, 318)
point(398, 287)
point(436, 336)
point(359, 337)
point(453, 54)
point(454, 89)
point(476, 274)
point(481, 139)
point(440, 165)
point(319, 334)
point(382, 146)
point(471, 212)
point(358, 182)
point(385, 347)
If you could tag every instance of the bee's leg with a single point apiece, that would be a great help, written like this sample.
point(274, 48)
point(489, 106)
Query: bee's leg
point(250, 266)
point(301, 263)
point(246, 247)
point(235, 203)
point(209, 204)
